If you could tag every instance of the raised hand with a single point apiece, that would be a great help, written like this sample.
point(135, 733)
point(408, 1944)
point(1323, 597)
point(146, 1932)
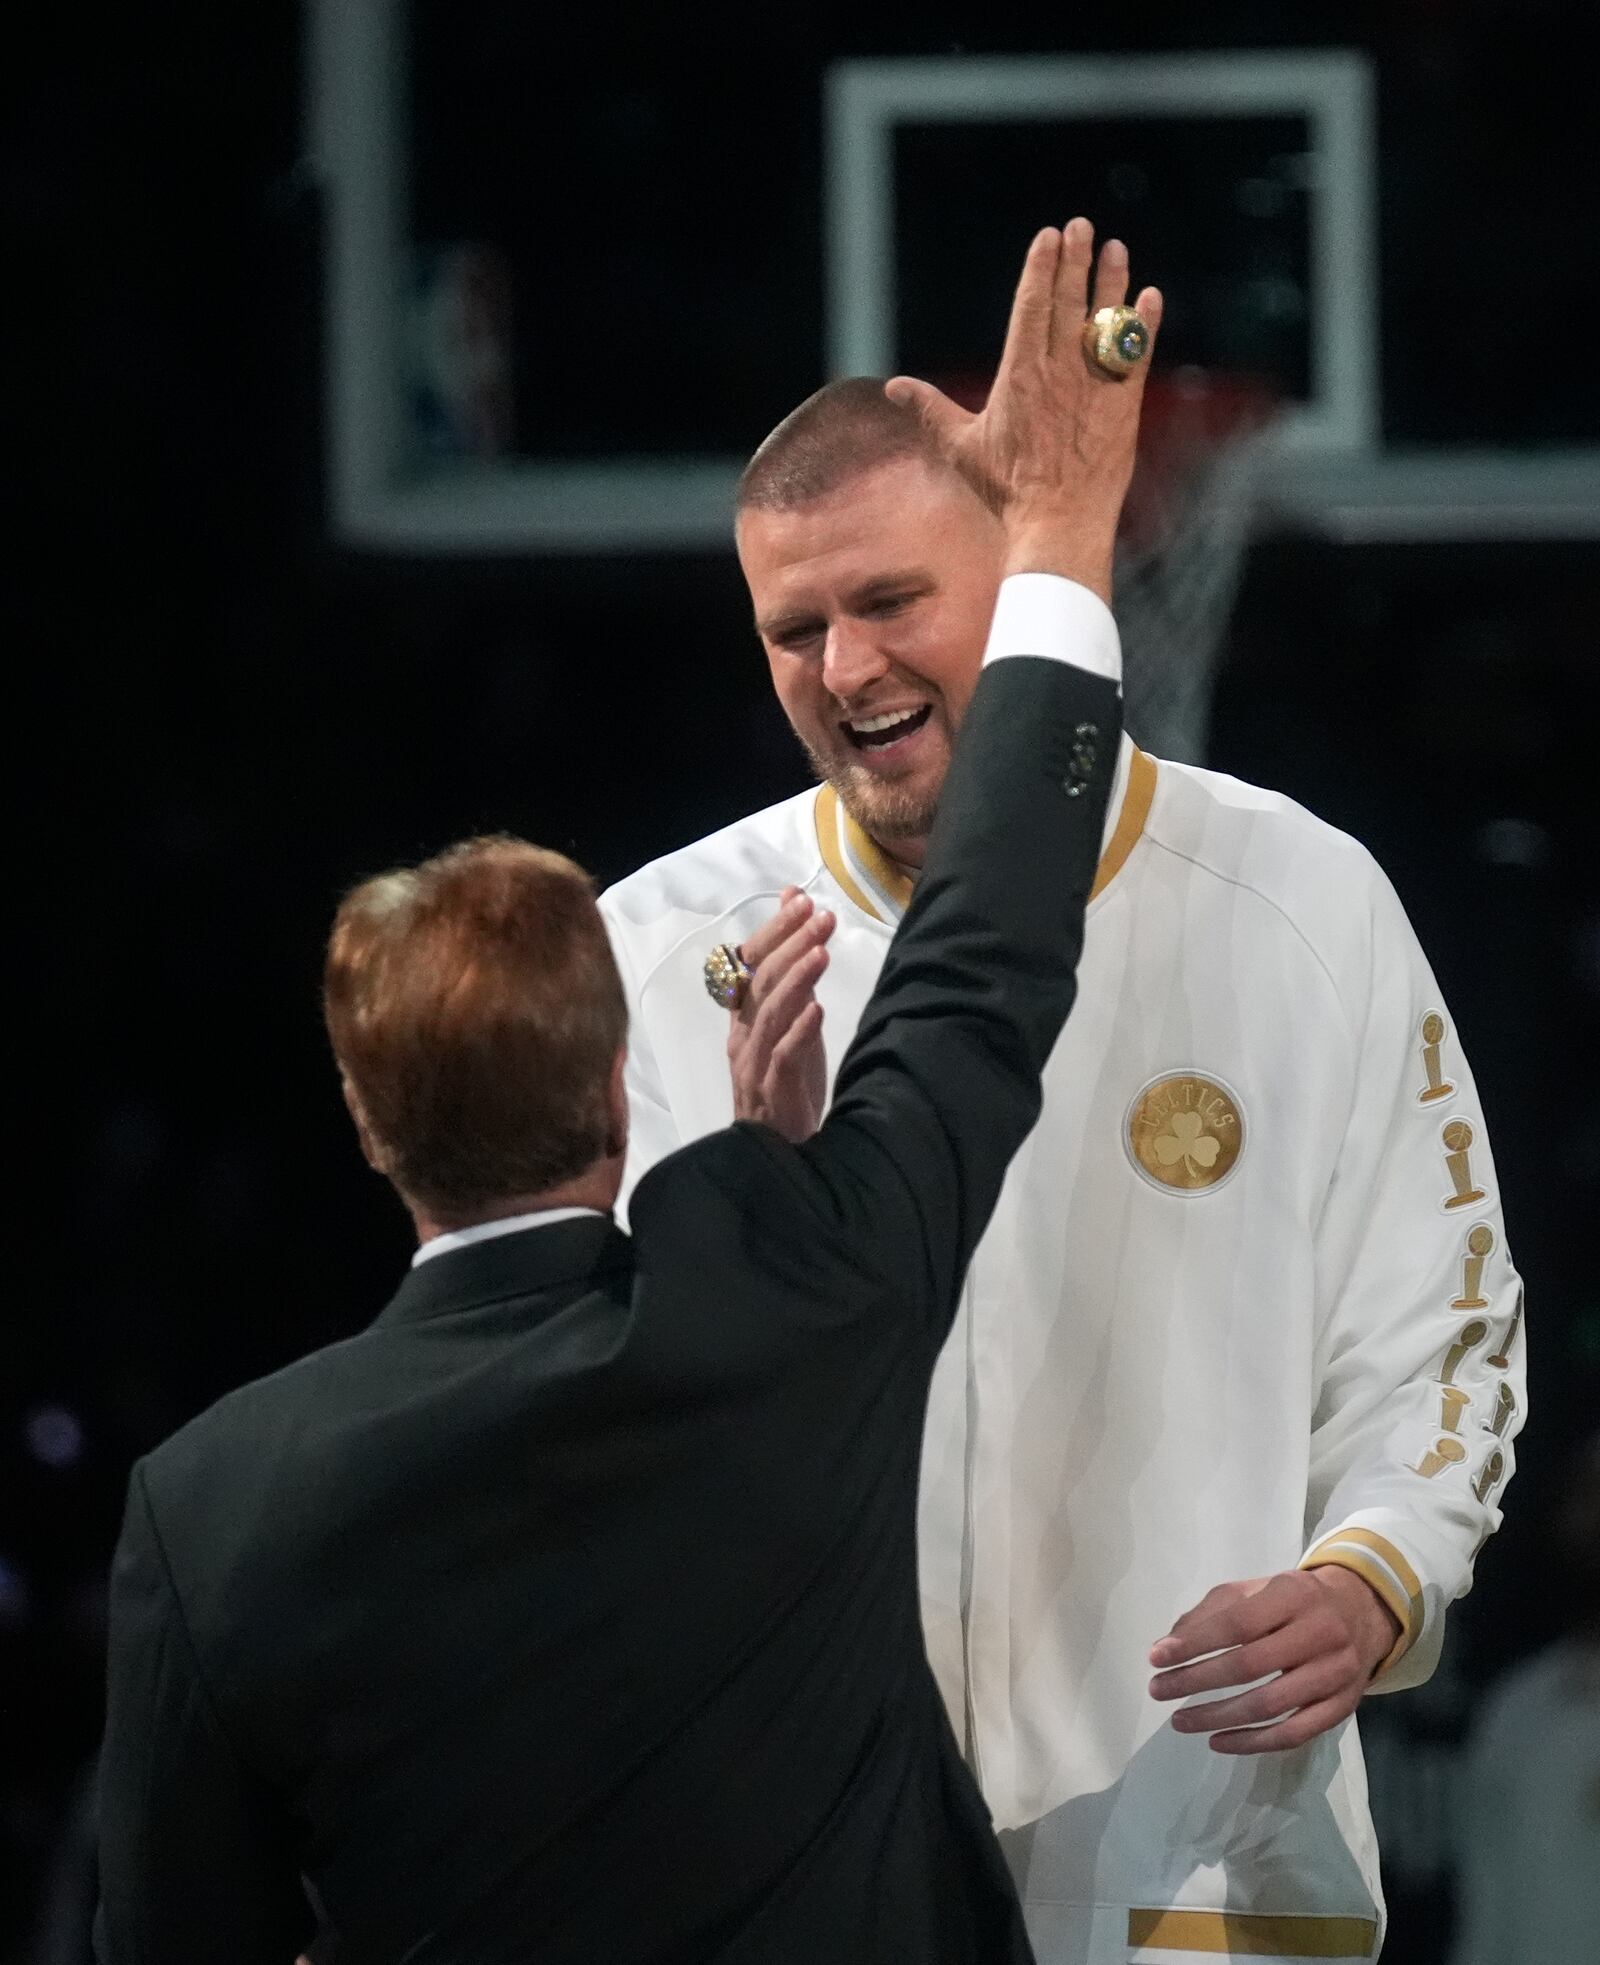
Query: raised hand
point(775, 1052)
point(1315, 1635)
point(1052, 451)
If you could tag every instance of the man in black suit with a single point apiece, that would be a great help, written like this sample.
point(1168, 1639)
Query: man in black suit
point(569, 1612)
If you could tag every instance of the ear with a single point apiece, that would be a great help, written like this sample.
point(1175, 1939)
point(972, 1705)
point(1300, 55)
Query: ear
point(371, 1152)
point(617, 1108)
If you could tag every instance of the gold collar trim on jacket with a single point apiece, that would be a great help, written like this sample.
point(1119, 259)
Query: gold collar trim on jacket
point(1131, 820)
point(873, 880)
point(881, 887)
point(827, 814)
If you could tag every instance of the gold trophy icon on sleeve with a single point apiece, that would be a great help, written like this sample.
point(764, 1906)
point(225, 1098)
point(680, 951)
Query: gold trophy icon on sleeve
point(1432, 1032)
point(1468, 1338)
point(1480, 1244)
point(1501, 1359)
point(1446, 1451)
point(1457, 1139)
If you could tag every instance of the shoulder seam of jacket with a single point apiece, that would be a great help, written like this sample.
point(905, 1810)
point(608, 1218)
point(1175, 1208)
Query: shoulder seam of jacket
point(224, 1731)
point(1266, 900)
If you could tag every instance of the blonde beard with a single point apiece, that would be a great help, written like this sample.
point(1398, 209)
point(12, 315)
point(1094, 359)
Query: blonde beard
point(886, 813)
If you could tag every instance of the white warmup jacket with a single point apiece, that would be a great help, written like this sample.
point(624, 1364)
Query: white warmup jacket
point(1246, 1304)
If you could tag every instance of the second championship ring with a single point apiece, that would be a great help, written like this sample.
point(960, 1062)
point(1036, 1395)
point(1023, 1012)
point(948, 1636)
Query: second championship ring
point(727, 977)
point(1116, 339)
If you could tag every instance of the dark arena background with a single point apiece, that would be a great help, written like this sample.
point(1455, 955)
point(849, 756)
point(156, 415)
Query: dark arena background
point(309, 579)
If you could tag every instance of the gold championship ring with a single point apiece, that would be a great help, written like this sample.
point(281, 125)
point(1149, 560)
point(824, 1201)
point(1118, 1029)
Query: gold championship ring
point(1116, 339)
point(727, 978)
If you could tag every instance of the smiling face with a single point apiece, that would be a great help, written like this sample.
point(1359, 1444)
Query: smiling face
point(873, 603)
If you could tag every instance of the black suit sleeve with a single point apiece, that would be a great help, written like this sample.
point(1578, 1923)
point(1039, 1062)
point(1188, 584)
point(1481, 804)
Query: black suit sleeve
point(941, 1085)
point(197, 1861)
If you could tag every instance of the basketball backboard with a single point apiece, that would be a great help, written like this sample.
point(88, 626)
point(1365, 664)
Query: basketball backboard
point(658, 220)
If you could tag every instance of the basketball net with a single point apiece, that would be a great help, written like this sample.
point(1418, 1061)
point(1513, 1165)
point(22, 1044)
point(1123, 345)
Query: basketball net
point(1203, 438)
point(1204, 435)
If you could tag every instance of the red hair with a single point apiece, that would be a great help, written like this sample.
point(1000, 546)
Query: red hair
point(476, 1012)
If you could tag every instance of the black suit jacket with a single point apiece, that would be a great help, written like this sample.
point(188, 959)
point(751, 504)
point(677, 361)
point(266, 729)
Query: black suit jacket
point(569, 1612)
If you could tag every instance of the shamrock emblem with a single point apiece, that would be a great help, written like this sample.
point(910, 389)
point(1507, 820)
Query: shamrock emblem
point(1185, 1141)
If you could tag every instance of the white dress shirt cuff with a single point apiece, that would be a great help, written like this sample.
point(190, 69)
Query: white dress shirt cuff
point(1045, 614)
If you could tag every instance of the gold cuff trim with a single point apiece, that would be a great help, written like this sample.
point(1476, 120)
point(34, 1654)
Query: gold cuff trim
point(1252, 1934)
point(1380, 1564)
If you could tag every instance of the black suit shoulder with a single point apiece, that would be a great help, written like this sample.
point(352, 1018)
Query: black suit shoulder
point(746, 1208)
point(180, 1475)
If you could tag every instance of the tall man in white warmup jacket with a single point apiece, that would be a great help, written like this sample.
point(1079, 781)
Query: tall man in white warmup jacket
point(1229, 1406)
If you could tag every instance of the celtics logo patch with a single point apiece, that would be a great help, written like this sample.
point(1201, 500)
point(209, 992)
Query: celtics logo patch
point(1184, 1132)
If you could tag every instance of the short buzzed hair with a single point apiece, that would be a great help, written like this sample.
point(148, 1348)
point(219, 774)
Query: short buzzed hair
point(846, 428)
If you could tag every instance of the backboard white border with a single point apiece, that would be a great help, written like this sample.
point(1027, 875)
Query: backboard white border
point(358, 92)
point(1331, 480)
point(1331, 89)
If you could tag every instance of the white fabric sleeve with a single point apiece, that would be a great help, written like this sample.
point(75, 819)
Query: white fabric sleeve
point(1420, 1386)
point(1044, 614)
point(652, 1130)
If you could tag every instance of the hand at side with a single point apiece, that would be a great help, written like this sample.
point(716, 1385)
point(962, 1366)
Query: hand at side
point(1316, 1635)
